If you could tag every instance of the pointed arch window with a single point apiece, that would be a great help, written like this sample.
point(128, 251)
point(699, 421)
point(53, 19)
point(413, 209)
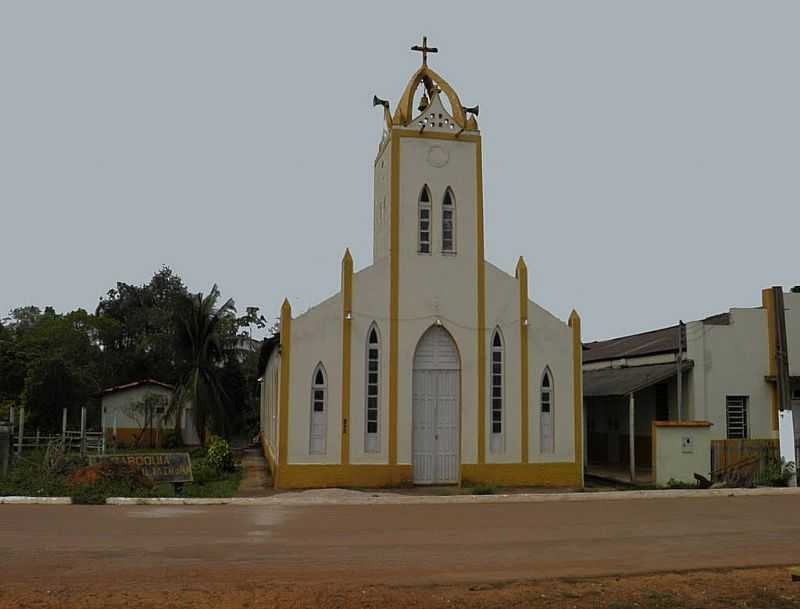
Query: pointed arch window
point(448, 222)
point(497, 384)
point(546, 414)
point(319, 411)
point(424, 220)
point(371, 426)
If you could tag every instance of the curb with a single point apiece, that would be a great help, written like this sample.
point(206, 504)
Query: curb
point(21, 500)
point(343, 497)
point(330, 497)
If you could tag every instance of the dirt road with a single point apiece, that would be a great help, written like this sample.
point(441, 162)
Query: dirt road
point(134, 548)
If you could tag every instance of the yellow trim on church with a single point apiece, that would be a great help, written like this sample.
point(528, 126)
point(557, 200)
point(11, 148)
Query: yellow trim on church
point(481, 308)
point(394, 295)
point(347, 309)
point(522, 278)
point(283, 416)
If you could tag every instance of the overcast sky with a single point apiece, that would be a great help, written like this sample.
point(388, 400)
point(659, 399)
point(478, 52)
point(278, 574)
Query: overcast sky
point(642, 156)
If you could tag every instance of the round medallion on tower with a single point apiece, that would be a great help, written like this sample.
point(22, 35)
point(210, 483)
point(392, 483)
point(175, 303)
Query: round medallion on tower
point(437, 156)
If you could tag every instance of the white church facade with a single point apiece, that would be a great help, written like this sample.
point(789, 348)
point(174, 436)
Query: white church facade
point(431, 365)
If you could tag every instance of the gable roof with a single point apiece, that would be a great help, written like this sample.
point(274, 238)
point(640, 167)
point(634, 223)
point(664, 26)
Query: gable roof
point(624, 381)
point(134, 385)
point(664, 340)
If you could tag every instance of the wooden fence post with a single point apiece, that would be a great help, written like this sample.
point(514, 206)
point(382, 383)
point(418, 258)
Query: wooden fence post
point(83, 431)
point(64, 426)
point(21, 430)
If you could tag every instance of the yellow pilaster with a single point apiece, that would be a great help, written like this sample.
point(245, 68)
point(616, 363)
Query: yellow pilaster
point(481, 306)
point(394, 294)
point(577, 385)
point(283, 414)
point(768, 301)
point(522, 278)
point(347, 310)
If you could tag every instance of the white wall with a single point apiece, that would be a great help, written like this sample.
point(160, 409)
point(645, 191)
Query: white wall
point(316, 336)
point(731, 360)
point(502, 310)
point(122, 403)
point(370, 304)
point(270, 401)
point(381, 214)
point(550, 344)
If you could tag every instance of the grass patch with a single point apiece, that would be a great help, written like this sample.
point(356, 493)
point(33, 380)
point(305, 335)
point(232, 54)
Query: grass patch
point(484, 489)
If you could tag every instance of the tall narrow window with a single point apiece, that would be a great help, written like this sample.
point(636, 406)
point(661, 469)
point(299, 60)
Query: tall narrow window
point(424, 246)
point(546, 428)
point(319, 411)
point(736, 416)
point(498, 373)
point(371, 440)
point(448, 222)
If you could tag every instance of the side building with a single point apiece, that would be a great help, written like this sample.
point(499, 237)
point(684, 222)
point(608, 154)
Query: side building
point(728, 381)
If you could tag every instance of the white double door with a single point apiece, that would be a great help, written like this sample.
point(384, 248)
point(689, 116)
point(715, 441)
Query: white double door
point(435, 441)
point(435, 409)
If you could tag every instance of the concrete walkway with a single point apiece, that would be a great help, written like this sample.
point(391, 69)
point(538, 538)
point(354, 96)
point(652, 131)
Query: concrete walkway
point(256, 481)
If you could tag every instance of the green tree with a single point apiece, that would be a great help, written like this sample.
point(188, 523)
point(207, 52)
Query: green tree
point(52, 383)
point(200, 348)
point(137, 330)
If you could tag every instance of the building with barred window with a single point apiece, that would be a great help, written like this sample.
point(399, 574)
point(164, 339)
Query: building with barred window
point(430, 365)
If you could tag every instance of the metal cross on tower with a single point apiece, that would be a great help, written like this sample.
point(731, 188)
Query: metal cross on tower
point(424, 49)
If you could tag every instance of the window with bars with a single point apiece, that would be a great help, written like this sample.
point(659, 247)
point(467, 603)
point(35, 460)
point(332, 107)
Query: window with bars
point(371, 443)
point(497, 389)
point(319, 415)
point(424, 210)
point(448, 222)
point(736, 416)
point(546, 426)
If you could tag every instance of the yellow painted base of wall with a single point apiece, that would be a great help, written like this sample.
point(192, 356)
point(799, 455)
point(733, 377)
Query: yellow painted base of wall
point(127, 436)
point(343, 476)
point(522, 474)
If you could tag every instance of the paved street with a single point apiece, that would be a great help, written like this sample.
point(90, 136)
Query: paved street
point(398, 544)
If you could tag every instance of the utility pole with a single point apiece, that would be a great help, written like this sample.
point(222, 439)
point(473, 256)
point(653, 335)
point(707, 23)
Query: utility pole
point(679, 361)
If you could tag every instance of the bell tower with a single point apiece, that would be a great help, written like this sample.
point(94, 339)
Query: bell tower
point(435, 169)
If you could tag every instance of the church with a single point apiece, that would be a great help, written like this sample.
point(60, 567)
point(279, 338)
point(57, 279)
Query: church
point(430, 366)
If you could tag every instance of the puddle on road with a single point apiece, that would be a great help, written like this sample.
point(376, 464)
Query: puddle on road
point(164, 512)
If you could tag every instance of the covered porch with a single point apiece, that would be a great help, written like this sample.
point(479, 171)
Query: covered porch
point(620, 406)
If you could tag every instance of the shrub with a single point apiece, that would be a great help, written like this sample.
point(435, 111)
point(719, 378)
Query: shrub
point(484, 489)
point(219, 455)
point(204, 472)
point(776, 473)
point(94, 483)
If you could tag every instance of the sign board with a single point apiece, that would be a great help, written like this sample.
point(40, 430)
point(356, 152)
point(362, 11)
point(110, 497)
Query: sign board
point(159, 467)
point(687, 445)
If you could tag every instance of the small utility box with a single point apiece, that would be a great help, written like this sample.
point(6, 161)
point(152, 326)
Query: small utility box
point(681, 449)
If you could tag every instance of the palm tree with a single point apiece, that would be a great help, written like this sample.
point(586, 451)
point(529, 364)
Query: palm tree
point(200, 347)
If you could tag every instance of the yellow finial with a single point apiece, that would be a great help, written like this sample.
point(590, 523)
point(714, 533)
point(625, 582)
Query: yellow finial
point(521, 266)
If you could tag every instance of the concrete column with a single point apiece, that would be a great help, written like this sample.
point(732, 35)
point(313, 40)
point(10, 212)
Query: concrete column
point(632, 437)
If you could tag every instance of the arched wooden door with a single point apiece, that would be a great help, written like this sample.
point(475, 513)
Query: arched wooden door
point(435, 414)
